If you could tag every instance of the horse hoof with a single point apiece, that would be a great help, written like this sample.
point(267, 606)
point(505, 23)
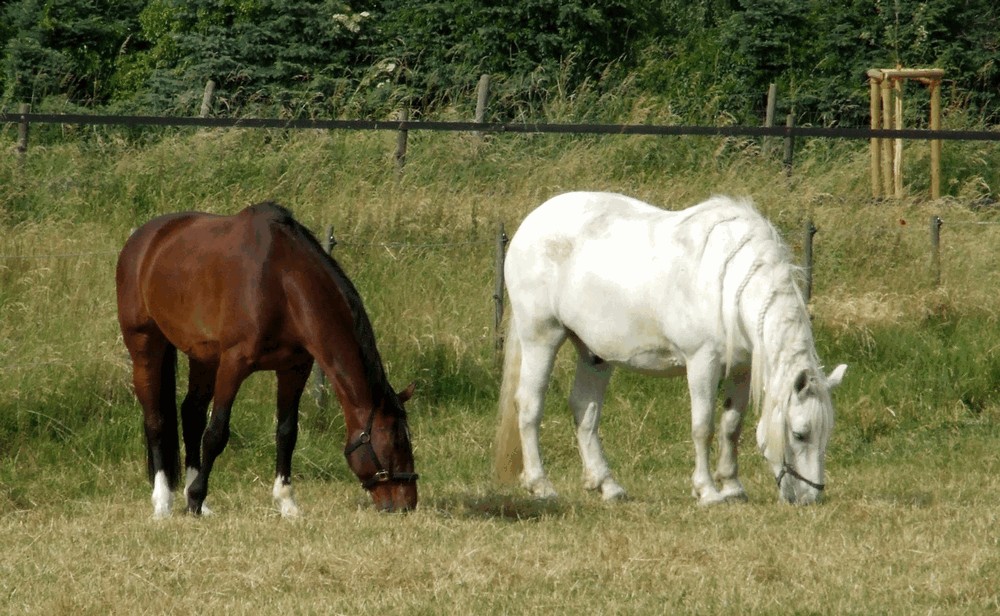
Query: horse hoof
point(611, 491)
point(542, 489)
point(710, 499)
point(735, 497)
point(289, 511)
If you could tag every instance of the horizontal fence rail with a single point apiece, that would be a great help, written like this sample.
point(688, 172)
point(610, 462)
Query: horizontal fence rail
point(505, 127)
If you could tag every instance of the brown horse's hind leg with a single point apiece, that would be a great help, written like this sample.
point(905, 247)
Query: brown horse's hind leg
point(233, 369)
point(291, 382)
point(154, 378)
point(194, 409)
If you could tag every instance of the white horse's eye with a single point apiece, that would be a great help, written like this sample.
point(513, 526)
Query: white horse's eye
point(800, 436)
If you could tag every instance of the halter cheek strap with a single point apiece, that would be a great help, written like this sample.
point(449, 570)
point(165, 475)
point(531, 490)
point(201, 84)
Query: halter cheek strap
point(788, 470)
point(382, 475)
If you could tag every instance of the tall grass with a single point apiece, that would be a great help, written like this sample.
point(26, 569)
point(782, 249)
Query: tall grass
point(910, 522)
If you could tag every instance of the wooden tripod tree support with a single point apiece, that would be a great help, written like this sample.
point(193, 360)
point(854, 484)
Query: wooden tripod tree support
point(887, 112)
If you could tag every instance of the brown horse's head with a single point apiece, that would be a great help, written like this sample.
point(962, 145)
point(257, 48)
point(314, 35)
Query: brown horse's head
point(380, 454)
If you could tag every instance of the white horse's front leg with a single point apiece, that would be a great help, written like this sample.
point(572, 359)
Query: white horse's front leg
point(536, 366)
point(703, 380)
point(731, 424)
point(586, 399)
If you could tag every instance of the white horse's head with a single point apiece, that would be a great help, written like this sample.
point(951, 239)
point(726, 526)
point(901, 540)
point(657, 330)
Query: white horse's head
point(794, 436)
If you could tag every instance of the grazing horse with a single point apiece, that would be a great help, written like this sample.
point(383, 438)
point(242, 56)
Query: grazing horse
point(708, 292)
point(243, 293)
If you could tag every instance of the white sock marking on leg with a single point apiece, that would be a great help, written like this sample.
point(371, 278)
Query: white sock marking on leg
point(162, 496)
point(283, 498)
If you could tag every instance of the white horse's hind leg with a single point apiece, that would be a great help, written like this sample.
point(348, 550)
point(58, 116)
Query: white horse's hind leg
point(586, 399)
point(537, 358)
point(162, 496)
point(731, 423)
point(703, 381)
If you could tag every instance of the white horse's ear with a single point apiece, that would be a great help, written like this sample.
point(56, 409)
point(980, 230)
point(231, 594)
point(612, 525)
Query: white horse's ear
point(836, 376)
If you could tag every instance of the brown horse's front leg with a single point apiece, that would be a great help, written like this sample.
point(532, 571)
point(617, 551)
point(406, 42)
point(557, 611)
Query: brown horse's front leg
point(228, 379)
point(194, 409)
point(291, 383)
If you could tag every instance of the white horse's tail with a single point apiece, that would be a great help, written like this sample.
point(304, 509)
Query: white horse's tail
point(508, 463)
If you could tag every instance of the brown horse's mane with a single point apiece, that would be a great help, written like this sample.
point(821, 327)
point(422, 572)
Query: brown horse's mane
point(365, 333)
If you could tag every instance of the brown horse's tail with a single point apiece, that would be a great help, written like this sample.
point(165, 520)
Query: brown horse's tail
point(170, 448)
point(508, 462)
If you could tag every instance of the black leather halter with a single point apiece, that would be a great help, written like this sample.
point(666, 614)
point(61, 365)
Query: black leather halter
point(382, 474)
point(788, 470)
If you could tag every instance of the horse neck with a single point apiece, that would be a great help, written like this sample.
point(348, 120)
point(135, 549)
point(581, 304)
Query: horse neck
point(782, 343)
point(338, 334)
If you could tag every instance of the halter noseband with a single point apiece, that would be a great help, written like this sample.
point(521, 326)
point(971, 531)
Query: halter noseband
point(788, 470)
point(382, 475)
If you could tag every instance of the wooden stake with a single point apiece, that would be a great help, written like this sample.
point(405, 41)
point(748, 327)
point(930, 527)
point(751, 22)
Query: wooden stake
point(876, 143)
point(935, 88)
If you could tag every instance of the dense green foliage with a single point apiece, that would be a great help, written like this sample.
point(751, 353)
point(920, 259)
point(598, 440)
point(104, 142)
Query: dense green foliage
point(704, 59)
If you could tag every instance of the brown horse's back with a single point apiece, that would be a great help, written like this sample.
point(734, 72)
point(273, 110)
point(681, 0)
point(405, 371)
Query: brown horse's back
point(210, 282)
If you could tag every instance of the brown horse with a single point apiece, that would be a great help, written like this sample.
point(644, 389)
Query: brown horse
point(243, 293)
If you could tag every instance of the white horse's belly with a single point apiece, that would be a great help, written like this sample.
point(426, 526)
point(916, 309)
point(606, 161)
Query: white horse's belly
point(648, 352)
point(655, 362)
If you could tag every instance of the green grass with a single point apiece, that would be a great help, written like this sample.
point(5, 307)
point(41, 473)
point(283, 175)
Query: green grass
point(909, 524)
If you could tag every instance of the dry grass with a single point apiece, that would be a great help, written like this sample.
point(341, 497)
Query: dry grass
point(880, 545)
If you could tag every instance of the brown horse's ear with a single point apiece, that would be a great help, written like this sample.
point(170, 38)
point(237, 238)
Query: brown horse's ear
point(407, 393)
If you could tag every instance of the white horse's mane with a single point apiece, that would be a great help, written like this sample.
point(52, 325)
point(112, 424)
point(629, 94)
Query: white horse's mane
point(775, 362)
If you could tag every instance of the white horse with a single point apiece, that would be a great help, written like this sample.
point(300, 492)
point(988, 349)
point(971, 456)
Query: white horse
point(708, 291)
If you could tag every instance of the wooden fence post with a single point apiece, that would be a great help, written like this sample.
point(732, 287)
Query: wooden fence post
point(321, 391)
point(772, 103)
point(789, 144)
point(206, 99)
point(482, 98)
point(936, 223)
point(807, 249)
point(404, 116)
point(22, 130)
point(498, 290)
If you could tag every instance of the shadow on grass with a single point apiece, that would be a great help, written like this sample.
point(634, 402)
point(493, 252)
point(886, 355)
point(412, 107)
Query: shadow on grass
point(497, 507)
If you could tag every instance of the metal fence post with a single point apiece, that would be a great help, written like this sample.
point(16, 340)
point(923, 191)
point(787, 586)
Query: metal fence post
point(498, 290)
point(320, 389)
point(936, 223)
point(807, 249)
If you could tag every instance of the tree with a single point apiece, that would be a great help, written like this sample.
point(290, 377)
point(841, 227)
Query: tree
point(65, 47)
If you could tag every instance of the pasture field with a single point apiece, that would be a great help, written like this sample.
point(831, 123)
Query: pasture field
point(911, 519)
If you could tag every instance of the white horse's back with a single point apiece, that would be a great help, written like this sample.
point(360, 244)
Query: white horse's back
point(708, 291)
point(639, 286)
